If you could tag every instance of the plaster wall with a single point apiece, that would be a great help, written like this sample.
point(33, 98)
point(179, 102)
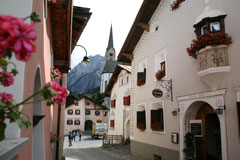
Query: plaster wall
point(104, 77)
point(174, 34)
point(117, 114)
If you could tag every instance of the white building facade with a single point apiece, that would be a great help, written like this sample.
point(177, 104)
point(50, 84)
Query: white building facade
point(199, 95)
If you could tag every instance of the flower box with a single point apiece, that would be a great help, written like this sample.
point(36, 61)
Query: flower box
point(176, 4)
point(141, 126)
point(160, 74)
point(209, 39)
point(156, 126)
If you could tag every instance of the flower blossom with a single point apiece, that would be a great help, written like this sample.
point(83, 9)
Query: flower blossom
point(61, 93)
point(17, 36)
point(6, 79)
point(55, 73)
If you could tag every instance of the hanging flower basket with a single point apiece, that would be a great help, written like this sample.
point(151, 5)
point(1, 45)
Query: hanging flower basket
point(160, 74)
point(209, 39)
point(176, 4)
point(141, 126)
point(54, 137)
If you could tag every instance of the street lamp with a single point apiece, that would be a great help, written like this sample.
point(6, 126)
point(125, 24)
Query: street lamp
point(85, 60)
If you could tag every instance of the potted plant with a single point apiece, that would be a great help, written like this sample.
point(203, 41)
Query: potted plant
point(140, 82)
point(208, 39)
point(189, 146)
point(160, 74)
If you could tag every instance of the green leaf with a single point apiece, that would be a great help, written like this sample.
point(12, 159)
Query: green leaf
point(2, 104)
point(4, 64)
point(14, 72)
point(35, 17)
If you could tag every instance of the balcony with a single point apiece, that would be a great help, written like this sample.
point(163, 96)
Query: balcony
point(213, 65)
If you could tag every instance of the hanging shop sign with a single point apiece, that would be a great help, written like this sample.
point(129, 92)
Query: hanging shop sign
point(158, 93)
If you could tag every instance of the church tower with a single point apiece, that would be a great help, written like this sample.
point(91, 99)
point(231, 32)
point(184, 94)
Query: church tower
point(110, 51)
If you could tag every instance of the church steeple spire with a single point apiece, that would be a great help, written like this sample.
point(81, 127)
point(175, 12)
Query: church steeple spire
point(110, 51)
point(110, 40)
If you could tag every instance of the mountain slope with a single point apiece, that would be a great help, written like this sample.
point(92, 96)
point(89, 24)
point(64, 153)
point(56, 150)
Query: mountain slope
point(82, 78)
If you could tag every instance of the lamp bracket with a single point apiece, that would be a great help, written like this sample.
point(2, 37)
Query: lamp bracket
point(167, 84)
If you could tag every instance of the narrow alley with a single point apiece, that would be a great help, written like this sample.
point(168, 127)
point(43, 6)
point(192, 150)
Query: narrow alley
point(91, 149)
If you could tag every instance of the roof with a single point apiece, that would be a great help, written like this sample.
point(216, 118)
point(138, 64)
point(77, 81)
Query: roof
point(140, 24)
point(110, 40)
point(67, 24)
point(81, 17)
point(110, 66)
point(114, 77)
point(72, 98)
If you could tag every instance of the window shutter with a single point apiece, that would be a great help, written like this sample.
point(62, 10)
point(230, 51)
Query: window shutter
point(112, 123)
point(126, 101)
point(157, 116)
point(113, 103)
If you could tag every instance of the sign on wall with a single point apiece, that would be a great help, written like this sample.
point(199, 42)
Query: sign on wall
point(158, 93)
point(196, 127)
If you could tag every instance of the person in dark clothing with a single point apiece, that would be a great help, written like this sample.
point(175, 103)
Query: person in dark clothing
point(70, 137)
point(79, 134)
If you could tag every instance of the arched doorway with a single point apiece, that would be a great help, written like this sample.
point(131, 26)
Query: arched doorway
point(204, 105)
point(208, 146)
point(88, 125)
point(127, 127)
point(38, 142)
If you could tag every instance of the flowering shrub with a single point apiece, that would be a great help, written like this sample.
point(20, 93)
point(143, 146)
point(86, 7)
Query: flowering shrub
point(140, 82)
point(141, 126)
point(17, 37)
point(156, 126)
point(54, 137)
point(209, 39)
point(160, 74)
point(52, 1)
point(176, 4)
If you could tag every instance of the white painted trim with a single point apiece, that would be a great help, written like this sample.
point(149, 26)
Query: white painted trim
point(237, 89)
point(214, 70)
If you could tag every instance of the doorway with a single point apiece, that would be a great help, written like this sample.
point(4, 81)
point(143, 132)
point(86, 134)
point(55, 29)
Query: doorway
point(208, 147)
point(88, 125)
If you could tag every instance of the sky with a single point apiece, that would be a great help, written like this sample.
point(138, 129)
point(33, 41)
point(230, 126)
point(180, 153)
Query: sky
point(120, 13)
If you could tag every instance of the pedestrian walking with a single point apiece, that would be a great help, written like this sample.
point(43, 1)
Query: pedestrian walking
point(70, 139)
point(74, 135)
point(79, 134)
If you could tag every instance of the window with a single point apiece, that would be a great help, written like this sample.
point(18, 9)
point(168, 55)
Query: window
point(215, 27)
point(157, 116)
point(113, 103)
point(87, 103)
point(77, 122)
point(99, 121)
point(157, 120)
point(69, 122)
point(141, 77)
point(70, 112)
point(87, 112)
point(126, 79)
point(105, 84)
point(126, 101)
point(97, 113)
point(160, 65)
point(141, 120)
point(77, 112)
point(76, 103)
point(204, 30)
point(112, 123)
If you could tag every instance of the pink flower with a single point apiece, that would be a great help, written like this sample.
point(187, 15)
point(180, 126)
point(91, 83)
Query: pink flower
point(17, 35)
point(55, 73)
point(5, 97)
point(6, 79)
point(61, 93)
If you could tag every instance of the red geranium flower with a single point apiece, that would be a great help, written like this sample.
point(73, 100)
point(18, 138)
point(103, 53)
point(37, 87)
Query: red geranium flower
point(6, 79)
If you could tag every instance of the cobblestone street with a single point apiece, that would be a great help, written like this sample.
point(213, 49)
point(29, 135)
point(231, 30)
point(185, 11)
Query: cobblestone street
point(91, 149)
